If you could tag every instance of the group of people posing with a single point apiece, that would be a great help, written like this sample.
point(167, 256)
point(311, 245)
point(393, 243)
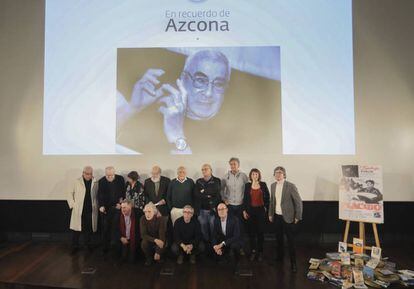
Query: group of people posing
point(209, 216)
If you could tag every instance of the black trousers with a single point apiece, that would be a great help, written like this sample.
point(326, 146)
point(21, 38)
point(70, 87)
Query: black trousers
point(237, 211)
point(231, 251)
point(138, 215)
point(124, 252)
point(288, 229)
point(86, 231)
point(149, 248)
point(107, 223)
point(255, 228)
point(177, 250)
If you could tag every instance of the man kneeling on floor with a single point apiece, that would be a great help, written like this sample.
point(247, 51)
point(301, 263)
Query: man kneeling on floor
point(153, 227)
point(227, 240)
point(126, 232)
point(187, 236)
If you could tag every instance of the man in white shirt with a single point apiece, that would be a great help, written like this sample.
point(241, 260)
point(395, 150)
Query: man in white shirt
point(227, 238)
point(285, 211)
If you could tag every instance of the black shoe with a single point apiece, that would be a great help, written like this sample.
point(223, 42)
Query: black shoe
point(294, 268)
point(74, 250)
point(180, 259)
point(279, 258)
point(193, 259)
point(161, 260)
point(252, 256)
point(148, 262)
point(221, 260)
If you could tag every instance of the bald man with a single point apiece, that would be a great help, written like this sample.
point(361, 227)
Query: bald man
point(227, 238)
point(155, 190)
point(207, 196)
point(82, 200)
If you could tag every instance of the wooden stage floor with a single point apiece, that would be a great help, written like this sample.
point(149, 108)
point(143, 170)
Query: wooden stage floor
point(50, 265)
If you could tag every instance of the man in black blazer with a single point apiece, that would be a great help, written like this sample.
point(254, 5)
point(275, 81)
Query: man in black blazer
point(111, 191)
point(227, 238)
point(285, 211)
point(125, 233)
point(155, 190)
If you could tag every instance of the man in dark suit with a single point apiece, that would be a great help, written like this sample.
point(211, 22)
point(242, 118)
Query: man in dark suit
point(227, 238)
point(111, 191)
point(285, 211)
point(155, 190)
point(125, 238)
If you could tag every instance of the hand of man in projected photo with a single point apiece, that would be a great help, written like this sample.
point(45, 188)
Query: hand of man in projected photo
point(144, 92)
point(173, 111)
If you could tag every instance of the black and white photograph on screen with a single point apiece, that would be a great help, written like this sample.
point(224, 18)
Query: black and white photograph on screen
point(197, 100)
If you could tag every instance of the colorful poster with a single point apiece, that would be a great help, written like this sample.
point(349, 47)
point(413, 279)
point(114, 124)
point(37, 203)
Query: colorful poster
point(358, 246)
point(361, 194)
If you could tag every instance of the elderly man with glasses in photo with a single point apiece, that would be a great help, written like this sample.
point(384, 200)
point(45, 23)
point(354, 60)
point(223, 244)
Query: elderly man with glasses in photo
point(197, 94)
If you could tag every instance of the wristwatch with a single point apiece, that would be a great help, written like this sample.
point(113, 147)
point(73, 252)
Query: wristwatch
point(181, 143)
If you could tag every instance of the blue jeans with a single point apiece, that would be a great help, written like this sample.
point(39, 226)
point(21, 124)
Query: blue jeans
point(206, 219)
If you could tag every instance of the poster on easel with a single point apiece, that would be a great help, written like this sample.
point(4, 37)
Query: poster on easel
point(361, 194)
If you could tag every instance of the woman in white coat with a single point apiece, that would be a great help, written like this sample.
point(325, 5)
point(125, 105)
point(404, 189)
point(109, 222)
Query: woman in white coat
point(82, 200)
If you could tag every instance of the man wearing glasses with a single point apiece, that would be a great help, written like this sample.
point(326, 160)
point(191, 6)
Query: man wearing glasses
point(111, 192)
point(198, 94)
point(227, 240)
point(187, 236)
point(207, 197)
point(82, 200)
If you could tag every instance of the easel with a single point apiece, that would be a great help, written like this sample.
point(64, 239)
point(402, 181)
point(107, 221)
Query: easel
point(362, 234)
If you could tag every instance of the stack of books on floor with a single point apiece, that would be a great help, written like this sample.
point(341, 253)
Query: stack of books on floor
point(347, 269)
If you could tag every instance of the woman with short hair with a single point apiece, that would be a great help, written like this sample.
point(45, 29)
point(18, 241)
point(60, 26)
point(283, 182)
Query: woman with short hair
point(255, 206)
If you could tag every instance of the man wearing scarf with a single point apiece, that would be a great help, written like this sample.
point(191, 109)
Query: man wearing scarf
point(126, 232)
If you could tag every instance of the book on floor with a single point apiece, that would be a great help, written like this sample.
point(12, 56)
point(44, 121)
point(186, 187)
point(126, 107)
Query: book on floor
point(345, 259)
point(342, 247)
point(376, 253)
point(358, 246)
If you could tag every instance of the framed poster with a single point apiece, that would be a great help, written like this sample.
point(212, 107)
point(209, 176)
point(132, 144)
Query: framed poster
point(361, 194)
